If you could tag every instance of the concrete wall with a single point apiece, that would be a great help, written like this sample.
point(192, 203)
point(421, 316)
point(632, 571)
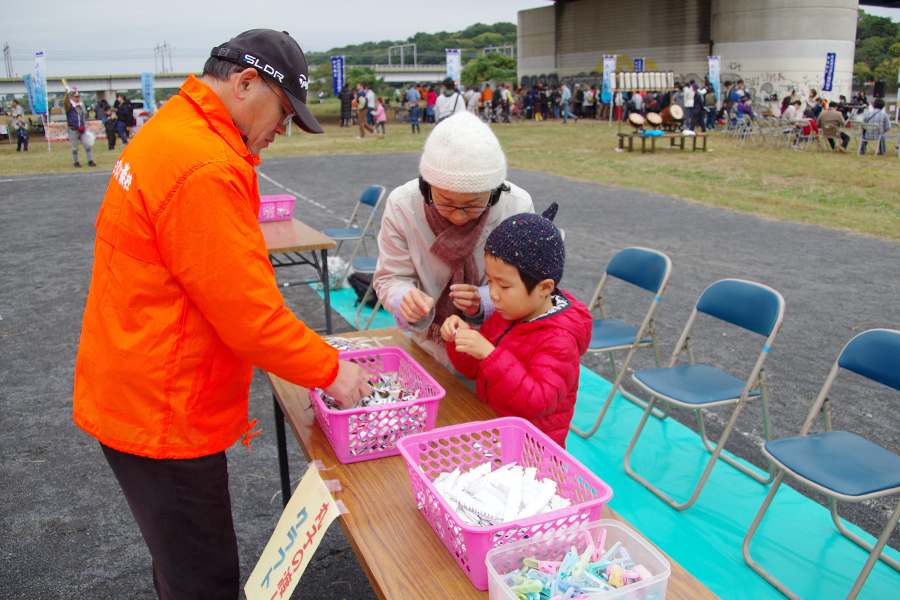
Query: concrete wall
point(777, 46)
point(536, 45)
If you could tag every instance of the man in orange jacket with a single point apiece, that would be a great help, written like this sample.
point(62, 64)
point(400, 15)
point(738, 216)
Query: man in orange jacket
point(183, 303)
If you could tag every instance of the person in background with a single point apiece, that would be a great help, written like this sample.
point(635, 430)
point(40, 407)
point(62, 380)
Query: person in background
point(449, 102)
point(879, 117)
point(415, 113)
point(709, 105)
point(21, 133)
point(688, 93)
point(589, 98)
point(321, 97)
point(554, 101)
point(697, 119)
point(430, 101)
point(831, 121)
point(412, 95)
point(526, 357)
point(578, 99)
point(16, 110)
point(793, 114)
point(785, 103)
point(183, 304)
point(487, 96)
point(744, 107)
point(818, 107)
point(76, 124)
point(380, 117)
point(431, 242)
point(362, 112)
point(124, 116)
point(472, 98)
point(346, 98)
point(109, 123)
point(370, 104)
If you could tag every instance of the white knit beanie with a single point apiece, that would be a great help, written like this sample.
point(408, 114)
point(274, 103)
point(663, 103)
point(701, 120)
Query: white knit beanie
point(463, 155)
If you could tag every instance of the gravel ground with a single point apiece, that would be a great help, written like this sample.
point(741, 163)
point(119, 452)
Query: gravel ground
point(65, 529)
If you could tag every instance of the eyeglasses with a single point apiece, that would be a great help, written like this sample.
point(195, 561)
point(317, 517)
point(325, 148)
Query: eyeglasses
point(289, 109)
point(448, 209)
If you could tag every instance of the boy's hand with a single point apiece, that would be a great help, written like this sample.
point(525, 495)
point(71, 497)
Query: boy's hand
point(451, 325)
point(466, 298)
point(473, 343)
point(415, 305)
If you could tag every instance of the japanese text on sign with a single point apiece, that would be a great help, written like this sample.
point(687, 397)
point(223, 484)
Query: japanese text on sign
point(297, 535)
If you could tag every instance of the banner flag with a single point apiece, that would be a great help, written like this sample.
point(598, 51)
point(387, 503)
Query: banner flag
point(715, 65)
point(147, 92)
point(609, 74)
point(40, 85)
point(830, 60)
point(337, 73)
point(639, 65)
point(29, 89)
point(454, 64)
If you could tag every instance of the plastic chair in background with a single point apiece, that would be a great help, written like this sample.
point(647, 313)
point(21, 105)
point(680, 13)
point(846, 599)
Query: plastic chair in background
point(372, 198)
point(366, 266)
point(875, 134)
point(748, 305)
point(840, 464)
point(646, 269)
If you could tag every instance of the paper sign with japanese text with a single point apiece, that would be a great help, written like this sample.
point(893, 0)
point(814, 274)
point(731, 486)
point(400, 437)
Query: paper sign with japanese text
point(297, 535)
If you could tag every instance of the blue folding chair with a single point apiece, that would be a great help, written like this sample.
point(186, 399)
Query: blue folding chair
point(751, 306)
point(840, 464)
point(366, 265)
point(649, 270)
point(372, 198)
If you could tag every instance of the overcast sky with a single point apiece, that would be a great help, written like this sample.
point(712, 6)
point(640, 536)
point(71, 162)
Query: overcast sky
point(89, 38)
point(119, 38)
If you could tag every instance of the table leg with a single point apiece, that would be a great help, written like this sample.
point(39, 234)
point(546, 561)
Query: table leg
point(631, 143)
point(325, 287)
point(682, 143)
point(704, 142)
point(621, 143)
point(281, 442)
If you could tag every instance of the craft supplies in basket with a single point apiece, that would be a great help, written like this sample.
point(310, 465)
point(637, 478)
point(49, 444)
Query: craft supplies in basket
point(279, 207)
point(643, 572)
point(358, 434)
point(498, 442)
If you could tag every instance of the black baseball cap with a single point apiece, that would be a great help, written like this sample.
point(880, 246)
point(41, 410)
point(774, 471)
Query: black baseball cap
point(278, 58)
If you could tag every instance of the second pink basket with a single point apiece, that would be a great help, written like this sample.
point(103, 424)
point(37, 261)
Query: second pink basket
point(501, 441)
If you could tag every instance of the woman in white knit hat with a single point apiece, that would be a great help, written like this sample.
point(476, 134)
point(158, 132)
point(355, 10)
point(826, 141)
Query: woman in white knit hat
point(431, 243)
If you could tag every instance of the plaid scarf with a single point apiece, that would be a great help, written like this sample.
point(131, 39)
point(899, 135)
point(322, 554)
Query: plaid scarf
point(455, 245)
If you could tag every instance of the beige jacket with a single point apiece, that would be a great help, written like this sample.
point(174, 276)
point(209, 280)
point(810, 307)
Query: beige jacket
point(404, 259)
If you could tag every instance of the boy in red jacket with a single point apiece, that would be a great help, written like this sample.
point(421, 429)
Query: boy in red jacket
point(525, 359)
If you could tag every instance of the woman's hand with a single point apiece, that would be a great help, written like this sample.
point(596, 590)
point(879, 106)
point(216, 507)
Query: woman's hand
point(415, 305)
point(466, 298)
point(473, 343)
point(451, 325)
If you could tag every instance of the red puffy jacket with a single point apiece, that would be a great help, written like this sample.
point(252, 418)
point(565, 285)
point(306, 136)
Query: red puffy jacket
point(533, 371)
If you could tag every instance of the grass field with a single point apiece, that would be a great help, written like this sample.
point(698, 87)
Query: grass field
point(859, 194)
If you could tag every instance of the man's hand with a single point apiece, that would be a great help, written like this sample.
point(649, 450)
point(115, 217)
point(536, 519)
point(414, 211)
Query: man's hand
point(415, 305)
point(473, 343)
point(451, 325)
point(466, 298)
point(351, 384)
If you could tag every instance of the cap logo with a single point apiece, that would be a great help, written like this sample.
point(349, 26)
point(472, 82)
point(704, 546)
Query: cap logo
point(223, 51)
point(264, 68)
point(303, 83)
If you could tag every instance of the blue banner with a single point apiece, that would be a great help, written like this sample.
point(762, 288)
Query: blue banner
point(639, 65)
point(454, 64)
point(830, 59)
point(714, 74)
point(29, 89)
point(609, 72)
point(147, 92)
point(40, 85)
point(337, 73)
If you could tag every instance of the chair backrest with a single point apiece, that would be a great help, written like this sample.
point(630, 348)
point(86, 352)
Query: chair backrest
point(874, 127)
point(748, 305)
point(642, 267)
point(372, 195)
point(874, 354)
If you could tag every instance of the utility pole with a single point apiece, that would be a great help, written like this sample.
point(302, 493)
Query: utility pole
point(161, 51)
point(402, 47)
point(7, 58)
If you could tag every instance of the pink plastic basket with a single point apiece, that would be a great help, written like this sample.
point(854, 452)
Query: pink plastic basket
point(279, 207)
point(500, 441)
point(359, 434)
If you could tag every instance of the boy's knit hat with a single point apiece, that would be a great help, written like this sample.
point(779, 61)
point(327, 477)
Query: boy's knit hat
point(463, 155)
point(531, 243)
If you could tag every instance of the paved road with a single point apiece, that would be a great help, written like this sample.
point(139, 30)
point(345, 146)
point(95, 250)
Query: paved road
point(65, 530)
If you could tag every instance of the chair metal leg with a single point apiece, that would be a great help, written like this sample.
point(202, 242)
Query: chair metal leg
point(832, 506)
point(716, 454)
point(359, 310)
point(752, 531)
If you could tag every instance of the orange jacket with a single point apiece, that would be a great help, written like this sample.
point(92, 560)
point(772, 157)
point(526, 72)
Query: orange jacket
point(183, 300)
